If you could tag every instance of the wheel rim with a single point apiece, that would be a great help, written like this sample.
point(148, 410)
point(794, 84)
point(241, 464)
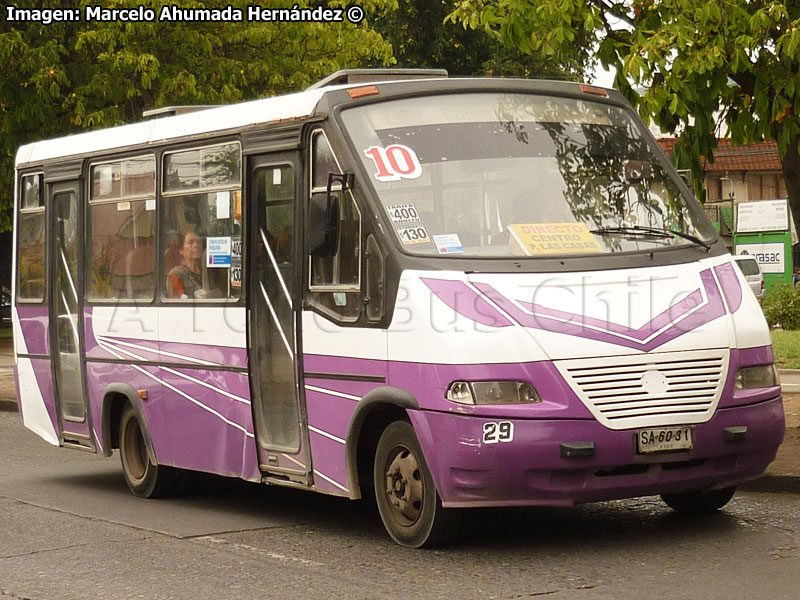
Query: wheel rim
point(404, 488)
point(136, 458)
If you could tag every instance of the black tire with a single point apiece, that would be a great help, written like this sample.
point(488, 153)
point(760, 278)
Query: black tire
point(697, 502)
point(145, 479)
point(407, 500)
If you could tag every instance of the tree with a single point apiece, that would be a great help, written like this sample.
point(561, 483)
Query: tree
point(421, 38)
point(65, 76)
point(689, 66)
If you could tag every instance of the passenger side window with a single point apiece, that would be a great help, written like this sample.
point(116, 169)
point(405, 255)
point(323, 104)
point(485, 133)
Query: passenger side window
point(31, 267)
point(202, 223)
point(122, 244)
point(335, 281)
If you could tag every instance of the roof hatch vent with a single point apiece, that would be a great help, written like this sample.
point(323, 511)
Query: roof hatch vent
point(358, 76)
point(173, 111)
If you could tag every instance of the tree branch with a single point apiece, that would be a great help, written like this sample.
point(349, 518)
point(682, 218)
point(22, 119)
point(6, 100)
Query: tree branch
point(614, 9)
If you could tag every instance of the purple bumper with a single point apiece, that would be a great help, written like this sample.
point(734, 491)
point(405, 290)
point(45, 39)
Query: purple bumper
point(530, 470)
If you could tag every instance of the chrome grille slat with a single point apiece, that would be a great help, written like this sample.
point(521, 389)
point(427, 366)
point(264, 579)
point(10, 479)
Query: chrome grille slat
point(653, 398)
point(638, 367)
point(609, 407)
point(684, 387)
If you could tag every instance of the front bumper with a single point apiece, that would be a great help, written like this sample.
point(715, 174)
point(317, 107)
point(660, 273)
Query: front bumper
point(530, 470)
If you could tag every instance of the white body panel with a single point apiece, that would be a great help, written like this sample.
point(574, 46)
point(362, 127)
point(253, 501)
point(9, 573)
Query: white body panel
point(32, 407)
point(615, 311)
point(213, 325)
point(324, 337)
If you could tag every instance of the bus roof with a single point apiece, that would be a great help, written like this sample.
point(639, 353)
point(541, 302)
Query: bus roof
point(239, 116)
point(234, 116)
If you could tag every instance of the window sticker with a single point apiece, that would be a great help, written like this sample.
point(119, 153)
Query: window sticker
point(218, 252)
point(394, 162)
point(150, 204)
point(236, 261)
point(412, 234)
point(403, 213)
point(123, 205)
point(223, 205)
point(530, 239)
point(448, 243)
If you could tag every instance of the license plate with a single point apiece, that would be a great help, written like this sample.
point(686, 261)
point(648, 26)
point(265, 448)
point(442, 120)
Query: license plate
point(664, 440)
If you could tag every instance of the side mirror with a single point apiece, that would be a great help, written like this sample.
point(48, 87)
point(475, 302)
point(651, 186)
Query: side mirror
point(323, 224)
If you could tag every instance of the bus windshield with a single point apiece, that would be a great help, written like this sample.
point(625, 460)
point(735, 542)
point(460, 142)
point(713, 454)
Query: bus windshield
point(509, 174)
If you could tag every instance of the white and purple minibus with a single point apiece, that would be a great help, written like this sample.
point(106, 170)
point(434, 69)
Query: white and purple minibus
point(446, 293)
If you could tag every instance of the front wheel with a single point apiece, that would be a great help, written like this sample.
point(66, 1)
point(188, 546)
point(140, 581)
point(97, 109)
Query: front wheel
point(409, 505)
point(697, 502)
point(145, 479)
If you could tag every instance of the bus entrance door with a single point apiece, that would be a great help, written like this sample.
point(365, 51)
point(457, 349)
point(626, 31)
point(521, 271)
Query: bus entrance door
point(273, 187)
point(73, 415)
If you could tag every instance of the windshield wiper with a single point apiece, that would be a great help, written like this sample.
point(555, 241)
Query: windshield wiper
point(659, 232)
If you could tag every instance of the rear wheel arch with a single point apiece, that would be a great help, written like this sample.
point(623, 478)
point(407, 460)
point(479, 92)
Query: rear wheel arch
point(375, 412)
point(115, 397)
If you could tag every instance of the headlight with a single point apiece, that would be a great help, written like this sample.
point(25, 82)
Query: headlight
point(760, 376)
point(492, 392)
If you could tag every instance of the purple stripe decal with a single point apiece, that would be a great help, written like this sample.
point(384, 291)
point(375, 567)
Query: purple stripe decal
point(762, 355)
point(205, 441)
point(428, 383)
point(93, 349)
point(237, 412)
point(323, 363)
point(187, 353)
point(219, 355)
point(329, 460)
point(127, 352)
point(463, 300)
point(329, 413)
point(150, 344)
point(713, 309)
point(672, 314)
point(44, 379)
point(730, 286)
point(353, 388)
point(34, 322)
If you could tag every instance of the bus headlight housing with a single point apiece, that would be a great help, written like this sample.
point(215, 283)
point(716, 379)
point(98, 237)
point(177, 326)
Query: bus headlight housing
point(492, 392)
point(760, 376)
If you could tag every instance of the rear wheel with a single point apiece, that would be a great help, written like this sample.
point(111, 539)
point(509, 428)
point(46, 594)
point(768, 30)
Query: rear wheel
point(697, 502)
point(145, 479)
point(409, 505)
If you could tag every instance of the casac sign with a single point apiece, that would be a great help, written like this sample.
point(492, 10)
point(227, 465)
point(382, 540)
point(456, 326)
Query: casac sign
point(770, 257)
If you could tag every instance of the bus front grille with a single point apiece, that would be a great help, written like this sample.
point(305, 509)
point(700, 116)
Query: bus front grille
point(671, 388)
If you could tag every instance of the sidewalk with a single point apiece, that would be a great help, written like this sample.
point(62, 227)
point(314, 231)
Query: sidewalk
point(8, 398)
point(783, 475)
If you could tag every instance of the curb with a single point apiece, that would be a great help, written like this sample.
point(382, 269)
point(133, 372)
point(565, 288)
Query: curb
point(774, 484)
point(8, 405)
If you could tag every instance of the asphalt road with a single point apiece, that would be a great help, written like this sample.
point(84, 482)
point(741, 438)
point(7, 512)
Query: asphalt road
point(69, 529)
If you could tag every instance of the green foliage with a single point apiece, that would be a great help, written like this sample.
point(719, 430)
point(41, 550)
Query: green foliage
point(781, 306)
point(786, 347)
point(421, 37)
point(688, 66)
point(85, 75)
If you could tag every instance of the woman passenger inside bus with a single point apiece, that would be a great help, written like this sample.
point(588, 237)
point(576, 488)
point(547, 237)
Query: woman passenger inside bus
point(186, 279)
